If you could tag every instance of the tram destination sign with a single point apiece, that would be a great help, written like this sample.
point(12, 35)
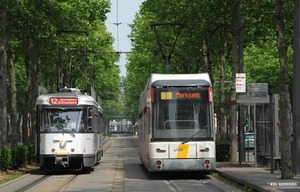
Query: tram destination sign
point(63, 101)
point(179, 95)
point(257, 89)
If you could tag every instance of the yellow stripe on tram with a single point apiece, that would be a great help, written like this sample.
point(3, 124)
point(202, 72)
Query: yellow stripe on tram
point(62, 153)
point(183, 150)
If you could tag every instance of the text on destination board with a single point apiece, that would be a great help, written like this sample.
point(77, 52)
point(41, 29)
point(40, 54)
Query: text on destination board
point(187, 95)
point(63, 101)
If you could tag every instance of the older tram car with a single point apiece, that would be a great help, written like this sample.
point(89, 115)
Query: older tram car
point(69, 130)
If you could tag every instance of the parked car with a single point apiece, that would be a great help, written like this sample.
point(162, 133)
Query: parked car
point(249, 140)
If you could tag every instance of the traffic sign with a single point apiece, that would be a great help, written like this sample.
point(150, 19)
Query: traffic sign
point(240, 82)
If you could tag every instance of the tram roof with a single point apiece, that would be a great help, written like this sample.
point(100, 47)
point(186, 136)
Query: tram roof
point(201, 79)
point(83, 99)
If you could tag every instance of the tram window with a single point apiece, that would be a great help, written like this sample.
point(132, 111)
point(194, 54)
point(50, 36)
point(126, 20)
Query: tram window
point(181, 115)
point(56, 120)
point(90, 120)
point(202, 118)
point(82, 120)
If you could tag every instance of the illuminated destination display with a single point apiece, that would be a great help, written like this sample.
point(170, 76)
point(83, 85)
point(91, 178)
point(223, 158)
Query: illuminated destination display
point(179, 95)
point(63, 101)
point(186, 95)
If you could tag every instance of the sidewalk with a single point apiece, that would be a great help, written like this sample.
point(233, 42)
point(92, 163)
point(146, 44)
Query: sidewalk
point(257, 178)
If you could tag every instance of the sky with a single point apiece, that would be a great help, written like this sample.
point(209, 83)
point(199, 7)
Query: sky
point(122, 13)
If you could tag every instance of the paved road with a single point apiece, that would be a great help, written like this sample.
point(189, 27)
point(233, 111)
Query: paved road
point(120, 170)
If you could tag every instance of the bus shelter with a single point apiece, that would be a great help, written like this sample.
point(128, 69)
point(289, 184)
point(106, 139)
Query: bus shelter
point(258, 116)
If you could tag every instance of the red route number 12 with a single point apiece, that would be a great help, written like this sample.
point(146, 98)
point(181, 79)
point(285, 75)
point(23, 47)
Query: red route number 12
point(63, 101)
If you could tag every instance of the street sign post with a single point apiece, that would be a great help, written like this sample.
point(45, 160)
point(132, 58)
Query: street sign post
point(240, 82)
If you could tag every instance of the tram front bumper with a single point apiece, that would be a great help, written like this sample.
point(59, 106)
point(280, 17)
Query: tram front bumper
point(182, 164)
point(62, 158)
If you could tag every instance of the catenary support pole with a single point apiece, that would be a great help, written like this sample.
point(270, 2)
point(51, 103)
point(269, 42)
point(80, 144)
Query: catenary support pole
point(296, 91)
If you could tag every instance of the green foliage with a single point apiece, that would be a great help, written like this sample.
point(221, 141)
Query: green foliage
point(14, 158)
point(4, 158)
point(205, 22)
point(39, 54)
point(22, 155)
point(223, 151)
point(31, 153)
point(215, 175)
point(225, 179)
point(248, 189)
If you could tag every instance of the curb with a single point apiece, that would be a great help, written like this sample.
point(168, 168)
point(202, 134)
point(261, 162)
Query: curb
point(245, 183)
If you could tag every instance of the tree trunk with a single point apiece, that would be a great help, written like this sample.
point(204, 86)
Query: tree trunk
point(235, 63)
point(25, 111)
point(222, 130)
point(3, 85)
point(284, 103)
point(35, 81)
point(13, 105)
point(233, 122)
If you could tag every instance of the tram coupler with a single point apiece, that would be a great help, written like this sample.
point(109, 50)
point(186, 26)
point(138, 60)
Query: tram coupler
point(62, 160)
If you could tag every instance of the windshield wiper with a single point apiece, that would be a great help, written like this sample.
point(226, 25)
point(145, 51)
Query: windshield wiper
point(188, 139)
point(61, 126)
point(68, 131)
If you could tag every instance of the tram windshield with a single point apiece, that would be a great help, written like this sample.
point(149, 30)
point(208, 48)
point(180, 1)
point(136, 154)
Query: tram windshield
point(58, 120)
point(180, 118)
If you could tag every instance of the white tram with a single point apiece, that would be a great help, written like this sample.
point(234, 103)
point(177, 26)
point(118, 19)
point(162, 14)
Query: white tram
point(69, 130)
point(175, 130)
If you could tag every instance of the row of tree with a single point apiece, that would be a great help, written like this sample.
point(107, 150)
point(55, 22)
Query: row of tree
point(210, 42)
point(38, 39)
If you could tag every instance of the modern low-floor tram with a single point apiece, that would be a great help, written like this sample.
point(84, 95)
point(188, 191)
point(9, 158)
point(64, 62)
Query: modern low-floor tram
point(175, 127)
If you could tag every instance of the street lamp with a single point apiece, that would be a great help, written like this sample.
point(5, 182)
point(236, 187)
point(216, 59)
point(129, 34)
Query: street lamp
point(165, 38)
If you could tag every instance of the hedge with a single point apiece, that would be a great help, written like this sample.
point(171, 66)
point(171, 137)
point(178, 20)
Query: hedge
point(223, 150)
point(17, 157)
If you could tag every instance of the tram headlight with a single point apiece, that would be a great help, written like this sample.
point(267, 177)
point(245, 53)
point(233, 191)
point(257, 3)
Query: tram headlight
point(207, 162)
point(62, 143)
point(53, 150)
point(72, 149)
point(158, 162)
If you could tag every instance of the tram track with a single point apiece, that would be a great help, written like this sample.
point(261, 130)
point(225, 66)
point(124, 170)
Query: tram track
point(44, 183)
point(211, 186)
point(40, 178)
point(26, 186)
point(114, 168)
point(52, 183)
point(64, 180)
point(118, 181)
point(30, 185)
point(71, 180)
point(67, 179)
point(106, 147)
point(202, 185)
